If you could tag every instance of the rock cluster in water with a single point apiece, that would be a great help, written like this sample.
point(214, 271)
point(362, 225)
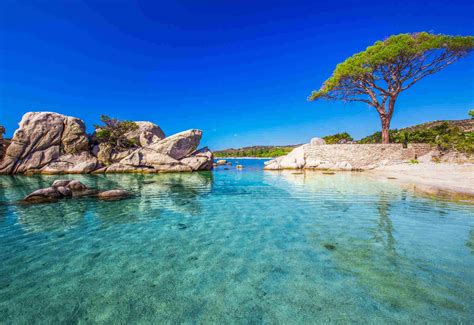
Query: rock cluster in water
point(61, 189)
point(51, 143)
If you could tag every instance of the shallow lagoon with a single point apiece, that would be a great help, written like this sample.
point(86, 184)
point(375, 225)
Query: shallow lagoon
point(236, 247)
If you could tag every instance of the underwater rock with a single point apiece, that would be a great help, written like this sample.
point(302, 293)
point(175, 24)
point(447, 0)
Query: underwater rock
point(113, 195)
point(47, 194)
point(59, 189)
point(75, 185)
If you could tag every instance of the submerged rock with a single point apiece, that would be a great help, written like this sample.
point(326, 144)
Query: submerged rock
point(47, 194)
point(60, 188)
point(71, 188)
point(76, 186)
point(113, 195)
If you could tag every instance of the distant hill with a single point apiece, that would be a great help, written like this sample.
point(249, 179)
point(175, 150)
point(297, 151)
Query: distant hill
point(445, 135)
point(464, 125)
point(256, 151)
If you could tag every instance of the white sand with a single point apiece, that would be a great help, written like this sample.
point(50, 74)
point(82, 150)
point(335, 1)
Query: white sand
point(431, 177)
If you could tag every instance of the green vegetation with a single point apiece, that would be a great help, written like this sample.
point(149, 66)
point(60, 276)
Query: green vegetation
point(113, 132)
point(445, 136)
point(337, 138)
point(379, 74)
point(256, 151)
point(471, 113)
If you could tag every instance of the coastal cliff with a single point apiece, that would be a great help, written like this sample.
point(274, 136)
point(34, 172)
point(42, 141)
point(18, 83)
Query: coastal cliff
point(52, 143)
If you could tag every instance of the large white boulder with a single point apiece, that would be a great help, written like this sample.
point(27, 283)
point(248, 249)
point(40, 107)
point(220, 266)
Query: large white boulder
point(317, 141)
point(81, 163)
point(199, 160)
point(42, 138)
point(294, 160)
point(178, 145)
point(146, 134)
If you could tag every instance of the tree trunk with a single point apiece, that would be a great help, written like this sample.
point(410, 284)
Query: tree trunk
point(385, 128)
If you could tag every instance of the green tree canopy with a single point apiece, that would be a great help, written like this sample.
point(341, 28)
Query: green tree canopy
point(377, 75)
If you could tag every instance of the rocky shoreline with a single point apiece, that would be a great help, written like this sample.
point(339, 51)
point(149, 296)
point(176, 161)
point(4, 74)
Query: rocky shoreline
point(52, 143)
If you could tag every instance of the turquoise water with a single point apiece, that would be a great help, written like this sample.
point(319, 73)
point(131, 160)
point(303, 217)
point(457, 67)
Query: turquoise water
point(236, 247)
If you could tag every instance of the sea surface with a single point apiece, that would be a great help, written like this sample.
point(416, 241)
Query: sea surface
point(235, 246)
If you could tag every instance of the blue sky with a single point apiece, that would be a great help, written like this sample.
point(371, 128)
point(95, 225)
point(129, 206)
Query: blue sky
point(238, 70)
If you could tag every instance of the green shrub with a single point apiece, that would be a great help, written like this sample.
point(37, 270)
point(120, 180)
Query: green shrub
point(113, 132)
point(257, 151)
point(444, 136)
point(335, 138)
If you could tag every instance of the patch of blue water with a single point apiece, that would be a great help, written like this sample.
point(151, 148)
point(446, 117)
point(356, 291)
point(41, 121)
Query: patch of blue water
point(235, 247)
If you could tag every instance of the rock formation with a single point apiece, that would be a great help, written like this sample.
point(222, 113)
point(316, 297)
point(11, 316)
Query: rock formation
point(51, 143)
point(317, 155)
point(3, 145)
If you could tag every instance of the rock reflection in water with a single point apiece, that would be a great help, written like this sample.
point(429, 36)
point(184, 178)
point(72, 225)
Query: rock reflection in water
point(152, 194)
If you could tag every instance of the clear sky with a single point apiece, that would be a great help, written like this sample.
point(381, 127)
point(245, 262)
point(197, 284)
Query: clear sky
point(239, 70)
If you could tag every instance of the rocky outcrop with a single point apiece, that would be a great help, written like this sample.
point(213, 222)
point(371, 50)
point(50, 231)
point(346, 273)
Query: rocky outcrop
point(347, 156)
point(178, 145)
point(3, 143)
point(294, 160)
point(147, 160)
point(146, 134)
point(51, 143)
point(81, 163)
point(199, 160)
point(41, 139)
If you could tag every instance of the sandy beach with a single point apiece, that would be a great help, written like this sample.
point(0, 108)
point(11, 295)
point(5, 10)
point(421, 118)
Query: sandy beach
point(443, 179)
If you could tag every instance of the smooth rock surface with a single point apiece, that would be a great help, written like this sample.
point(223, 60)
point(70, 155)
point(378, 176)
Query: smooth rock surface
point(317, 141)
point(82, 163)
point(43, 195)
point(42, 138)
point(178, 145)
point(199, 160)
point(75, 185)
point(146, 134)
